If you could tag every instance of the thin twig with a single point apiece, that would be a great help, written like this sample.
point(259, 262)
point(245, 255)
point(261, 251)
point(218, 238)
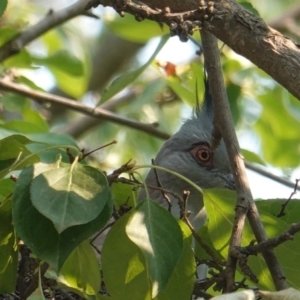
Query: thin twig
point(265, 173)
point(165, 196)
point(51, 20)
point(283, 206)
point(98, 112)
point(105, 114)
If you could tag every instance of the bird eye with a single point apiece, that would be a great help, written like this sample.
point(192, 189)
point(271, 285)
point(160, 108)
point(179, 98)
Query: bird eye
point(203, 155)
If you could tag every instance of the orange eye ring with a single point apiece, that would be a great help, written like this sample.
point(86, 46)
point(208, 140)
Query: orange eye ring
point(203, 155)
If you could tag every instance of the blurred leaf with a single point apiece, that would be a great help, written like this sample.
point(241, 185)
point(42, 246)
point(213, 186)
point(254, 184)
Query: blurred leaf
point(252, 157)
point(6, 188)
point(233, 92)
point(23, 127)
point(13, 102)
point(70, 195)
point(121, 82)
point(14, 155)
point(81, 270)
point(128, 28)
point(7, 33)
point(63, 61)
point(249, 6)
point(289, 252)
point(19, 60)
point(3, 5)
point(35, 118)
point(74, 86)
point(28, 82)
point(220, 207)
point(182, 92)
point(53, 41)
point(160, 240)
point(279, 131)
point(43, 240)
point(8, 249)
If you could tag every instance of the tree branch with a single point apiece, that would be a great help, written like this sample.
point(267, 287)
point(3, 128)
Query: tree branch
point(98, 112)
point(51, 20)
point(245, 203)
point(69, 103)
point(240, 29)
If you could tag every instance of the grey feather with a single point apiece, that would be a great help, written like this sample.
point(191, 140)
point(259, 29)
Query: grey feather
point(175, 155)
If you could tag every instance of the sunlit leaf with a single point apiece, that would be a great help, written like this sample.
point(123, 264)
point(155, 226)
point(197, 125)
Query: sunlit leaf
point(124, 265)
point(155, 231)
point(121, 82)
point(220, 207)
point(44, 240)
point(81, 270)
point(62, 60)
point(181, 283)
point(70, 195)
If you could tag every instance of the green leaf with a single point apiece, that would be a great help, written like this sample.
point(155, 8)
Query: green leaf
point(155, 231)
point(8, 249)
point(6, 34)
point(289, 252)
point(24, 127)
point(14, 155)
point(28, 82)
point(181, 283)
point(220, 207)
point(51, 144)
point(62, 60)
point(44, 240)
point(3, 5)
point(121, 82)
point(127, 28)
point(124, 265)
point(250, 7)
point(278, 126)
point(81, 270)
point(6, 188)
point(123, 195)
point(13, 102)
point(74, 86)
point(70, 195)
point(19, 60)
point(252, 157)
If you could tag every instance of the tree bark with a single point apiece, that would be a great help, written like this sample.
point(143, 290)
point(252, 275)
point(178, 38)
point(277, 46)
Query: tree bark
point(240, 29)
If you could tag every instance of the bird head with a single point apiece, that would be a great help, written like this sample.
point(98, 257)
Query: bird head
point(189, 153)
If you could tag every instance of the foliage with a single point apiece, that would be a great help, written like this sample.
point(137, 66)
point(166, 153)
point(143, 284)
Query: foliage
point(55, 199)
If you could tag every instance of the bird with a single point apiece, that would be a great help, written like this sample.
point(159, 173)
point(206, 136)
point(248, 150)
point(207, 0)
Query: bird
point(189, 153)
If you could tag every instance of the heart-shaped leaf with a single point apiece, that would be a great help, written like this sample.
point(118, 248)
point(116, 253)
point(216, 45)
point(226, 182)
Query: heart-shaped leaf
point(70, 194)
point(39, 233)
